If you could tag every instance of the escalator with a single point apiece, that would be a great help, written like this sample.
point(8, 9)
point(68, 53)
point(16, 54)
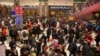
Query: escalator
point(87, 11)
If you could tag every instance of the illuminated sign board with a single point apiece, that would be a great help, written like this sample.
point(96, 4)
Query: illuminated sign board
point(31, 7)
point(19, 10)
point(60, 7)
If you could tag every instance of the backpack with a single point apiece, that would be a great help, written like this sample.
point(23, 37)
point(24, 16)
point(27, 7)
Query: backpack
point(14, 32)
point(24, 34)
point(72, 47)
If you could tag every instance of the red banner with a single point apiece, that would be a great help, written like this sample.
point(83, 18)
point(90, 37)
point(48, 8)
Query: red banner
point(19, 10)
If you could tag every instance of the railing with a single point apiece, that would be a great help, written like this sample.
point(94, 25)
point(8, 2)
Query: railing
point(91, 2)
point(87, 4)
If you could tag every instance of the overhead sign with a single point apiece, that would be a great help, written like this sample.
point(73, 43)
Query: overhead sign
point(16, 1)
point(79, 0)
point(60, 7)
point(43, 0)
point(31, 7)
point(19, 10)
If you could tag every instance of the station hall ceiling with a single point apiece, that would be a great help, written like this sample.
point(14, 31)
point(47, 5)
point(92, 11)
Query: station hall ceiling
point(36, 2)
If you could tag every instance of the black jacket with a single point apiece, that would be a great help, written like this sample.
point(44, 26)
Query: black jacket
point(25, 51)
point(12, 44)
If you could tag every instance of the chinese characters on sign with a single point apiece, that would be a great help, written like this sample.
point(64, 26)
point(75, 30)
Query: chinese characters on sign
point(19, 10)
point(60, 7)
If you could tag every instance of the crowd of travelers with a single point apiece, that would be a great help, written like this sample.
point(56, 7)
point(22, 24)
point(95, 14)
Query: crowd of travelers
point(42, 36)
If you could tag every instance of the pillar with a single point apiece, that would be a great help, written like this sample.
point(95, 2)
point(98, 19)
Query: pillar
point(19, 26)
point(46, 10)
point(16, 2)
point(41, 9)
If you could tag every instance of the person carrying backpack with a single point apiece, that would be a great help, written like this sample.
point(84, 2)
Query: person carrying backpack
point(73, 48)
point(13, 33)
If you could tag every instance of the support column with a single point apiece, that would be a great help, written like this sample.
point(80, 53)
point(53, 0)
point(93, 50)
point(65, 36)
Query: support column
point(3, 10)
point(20, 25)
point(46, 10)
point(16, 3)
point(41, 9)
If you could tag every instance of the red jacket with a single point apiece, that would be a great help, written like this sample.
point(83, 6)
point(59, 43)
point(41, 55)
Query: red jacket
point(88, 37)
point(4, 32)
